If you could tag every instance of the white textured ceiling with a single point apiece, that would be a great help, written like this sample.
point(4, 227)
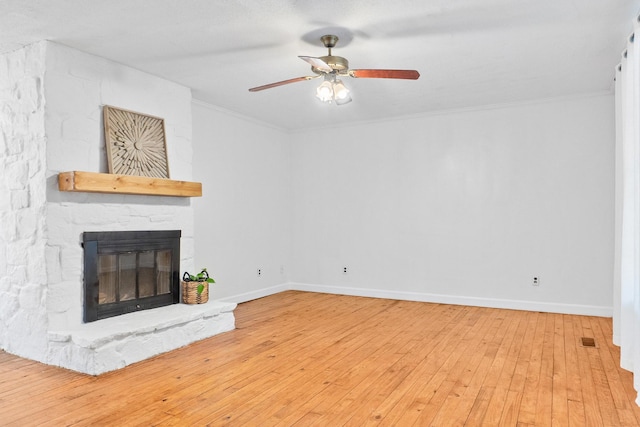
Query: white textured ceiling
point(468, 52)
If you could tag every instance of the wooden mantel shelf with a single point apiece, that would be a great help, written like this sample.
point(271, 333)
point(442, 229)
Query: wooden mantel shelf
point(92, 182)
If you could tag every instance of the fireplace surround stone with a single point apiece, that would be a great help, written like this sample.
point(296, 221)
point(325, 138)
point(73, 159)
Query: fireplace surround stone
point(50, 121)
point(113, 343)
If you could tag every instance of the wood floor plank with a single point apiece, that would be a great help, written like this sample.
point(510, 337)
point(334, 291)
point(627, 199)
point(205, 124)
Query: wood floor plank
point(591, 405)
point(299, 358)
point(423, 403)
point(425, 339)
point(519, 376)
point(602, 389)
point(441, 386)
point(494, 379)
point(364, 362)
point(430, 343)
point(571, 343)
point(389, 364)
point(575, 401)
point(503, 368)
point(479, 408)
point(463, 389)
point(628, 412)
point(623, 378)
point(263, 369)
point(408, 394)
point(528, 405)
point(559, 396)
point(544, 399)
point(576, 414)
point(471, 401)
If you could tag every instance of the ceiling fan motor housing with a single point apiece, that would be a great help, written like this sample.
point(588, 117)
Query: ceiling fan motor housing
point(337, 63)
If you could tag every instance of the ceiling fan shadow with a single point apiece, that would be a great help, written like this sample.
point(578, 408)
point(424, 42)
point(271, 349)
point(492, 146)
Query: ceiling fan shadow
point(178, 55)
point(345, 35)
point(451, 22)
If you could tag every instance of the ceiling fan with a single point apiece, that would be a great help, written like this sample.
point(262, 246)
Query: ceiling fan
point(332, 67)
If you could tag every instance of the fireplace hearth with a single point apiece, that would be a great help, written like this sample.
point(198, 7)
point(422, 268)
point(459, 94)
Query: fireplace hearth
point(128, 271)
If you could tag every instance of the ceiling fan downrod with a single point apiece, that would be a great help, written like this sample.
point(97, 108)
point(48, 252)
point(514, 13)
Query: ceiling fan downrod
point(329, 41)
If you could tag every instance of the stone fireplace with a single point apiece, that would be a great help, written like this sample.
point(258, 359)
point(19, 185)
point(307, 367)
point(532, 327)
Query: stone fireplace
point(51, 122)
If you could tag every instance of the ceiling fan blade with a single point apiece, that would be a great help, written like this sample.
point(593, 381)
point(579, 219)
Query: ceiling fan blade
point(385, 74)
point(282, 83)
point(317, 63)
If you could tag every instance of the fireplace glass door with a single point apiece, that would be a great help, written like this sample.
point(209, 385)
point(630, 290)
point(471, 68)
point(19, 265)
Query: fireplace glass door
point(132, 275)
point(130, 271)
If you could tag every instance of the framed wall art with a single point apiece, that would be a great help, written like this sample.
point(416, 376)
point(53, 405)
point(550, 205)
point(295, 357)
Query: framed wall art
point(136, 143)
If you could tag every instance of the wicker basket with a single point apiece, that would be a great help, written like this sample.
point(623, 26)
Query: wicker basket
point(190, 293)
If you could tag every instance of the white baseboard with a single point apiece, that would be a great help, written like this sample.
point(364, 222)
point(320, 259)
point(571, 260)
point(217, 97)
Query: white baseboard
point(547, 307)
point(259, 293)
point(587, 310)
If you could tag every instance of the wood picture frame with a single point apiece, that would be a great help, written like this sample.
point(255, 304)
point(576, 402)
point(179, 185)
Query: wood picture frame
point(136, 143)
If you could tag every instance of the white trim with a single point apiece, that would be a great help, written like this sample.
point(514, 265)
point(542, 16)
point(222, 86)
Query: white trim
point(258, 293)
point(205, 104)
point(547, 307)
point(420, 115)
point(587, 310)
point(453, 111)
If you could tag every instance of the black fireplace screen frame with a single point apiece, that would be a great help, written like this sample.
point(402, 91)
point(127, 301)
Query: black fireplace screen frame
point(123, 242)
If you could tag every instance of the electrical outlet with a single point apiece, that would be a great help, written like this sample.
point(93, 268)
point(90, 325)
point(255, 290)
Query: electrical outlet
point(344, 270)
point(535, 281)
point(259, 272)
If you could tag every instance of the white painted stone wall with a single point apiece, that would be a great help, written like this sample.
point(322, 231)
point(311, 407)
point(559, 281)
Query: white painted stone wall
point(44, 286)
point(23, 281)
point(77, 85)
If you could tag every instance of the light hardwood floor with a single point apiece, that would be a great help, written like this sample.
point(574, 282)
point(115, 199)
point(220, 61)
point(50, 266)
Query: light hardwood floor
point(303, 359)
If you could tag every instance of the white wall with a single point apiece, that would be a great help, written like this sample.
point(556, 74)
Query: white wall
point(459, 207)
point(462, 207)
point(243, 220)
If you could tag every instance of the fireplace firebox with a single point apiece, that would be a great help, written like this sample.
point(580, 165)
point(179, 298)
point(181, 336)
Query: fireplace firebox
point(127, 271)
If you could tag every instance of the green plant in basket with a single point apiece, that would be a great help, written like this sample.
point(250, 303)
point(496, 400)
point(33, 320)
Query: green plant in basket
point(202, 277)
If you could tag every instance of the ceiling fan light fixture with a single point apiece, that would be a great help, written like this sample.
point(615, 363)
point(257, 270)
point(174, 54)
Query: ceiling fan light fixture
point(343, 101)
point(332, 89)
point(341, 94)
point(325, 91)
